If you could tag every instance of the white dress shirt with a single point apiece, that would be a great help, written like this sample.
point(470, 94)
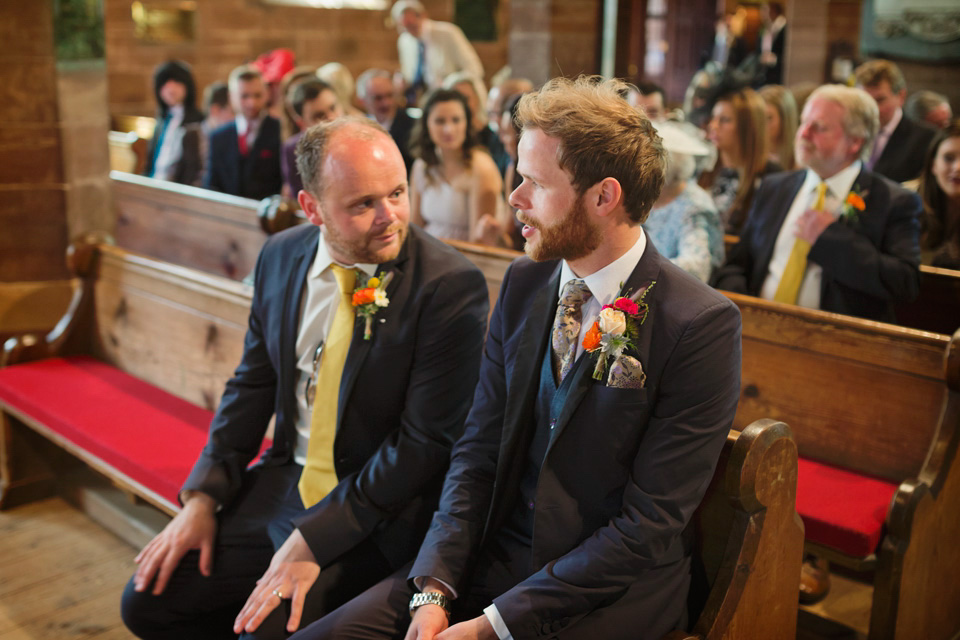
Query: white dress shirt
point(254, 125)
point(604, 286)
point(171, 147)
point(838, 186)
point(883, 137)
point(446, 50)
point(317, 308)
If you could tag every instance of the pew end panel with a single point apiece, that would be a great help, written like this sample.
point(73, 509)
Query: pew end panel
point(919, 559)
point(750, 538)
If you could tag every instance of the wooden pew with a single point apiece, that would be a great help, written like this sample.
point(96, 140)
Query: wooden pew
point(31, 307)
point(873, 398)
point(192, 227)
point(936, 309)
point(884, 402)
point(177, 330)
point(750, 539)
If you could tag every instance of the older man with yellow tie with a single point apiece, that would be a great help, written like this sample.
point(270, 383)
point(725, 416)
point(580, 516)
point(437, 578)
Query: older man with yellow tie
point(833, 236)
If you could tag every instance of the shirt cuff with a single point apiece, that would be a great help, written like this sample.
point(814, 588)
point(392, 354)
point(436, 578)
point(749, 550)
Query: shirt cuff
point(499, 626)
point(419, 580)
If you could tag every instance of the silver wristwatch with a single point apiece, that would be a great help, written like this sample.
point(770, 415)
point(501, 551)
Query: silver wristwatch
point(429, 597)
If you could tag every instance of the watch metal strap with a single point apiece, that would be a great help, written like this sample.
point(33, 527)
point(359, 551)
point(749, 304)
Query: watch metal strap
point(429, 597)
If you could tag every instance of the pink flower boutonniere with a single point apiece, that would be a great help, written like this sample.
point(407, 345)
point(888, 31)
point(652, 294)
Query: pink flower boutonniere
point(617, 328)
point(369, 297)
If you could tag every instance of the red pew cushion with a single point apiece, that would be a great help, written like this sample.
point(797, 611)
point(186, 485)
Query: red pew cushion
point(145, 433)
point(842, 509)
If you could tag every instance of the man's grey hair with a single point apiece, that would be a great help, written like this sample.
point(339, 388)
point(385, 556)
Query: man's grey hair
point(315, 141)
point(369, 75)
point(861, 117)
point(397, 9)
point(921, 103)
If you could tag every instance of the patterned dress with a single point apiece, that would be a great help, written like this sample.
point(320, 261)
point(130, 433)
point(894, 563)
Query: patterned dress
point(688, 231)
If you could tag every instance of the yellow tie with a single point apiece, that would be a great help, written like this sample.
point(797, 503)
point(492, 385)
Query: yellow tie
point(319, 476)
point(796, 267)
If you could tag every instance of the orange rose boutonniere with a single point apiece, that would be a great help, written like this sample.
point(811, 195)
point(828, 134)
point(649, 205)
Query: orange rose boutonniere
point(616, 328)
point(370, 297)
point(853, 205)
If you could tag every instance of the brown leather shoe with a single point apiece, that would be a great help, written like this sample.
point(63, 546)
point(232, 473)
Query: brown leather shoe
point(814, 579)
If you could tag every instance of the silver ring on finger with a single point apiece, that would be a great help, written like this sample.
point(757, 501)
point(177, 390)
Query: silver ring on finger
point(277, 593)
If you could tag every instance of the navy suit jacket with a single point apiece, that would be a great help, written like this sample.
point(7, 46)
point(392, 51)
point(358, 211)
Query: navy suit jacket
point(624, 470)
point(404, 394)
point(903, 157)
point(868, 265)
point(256, 175)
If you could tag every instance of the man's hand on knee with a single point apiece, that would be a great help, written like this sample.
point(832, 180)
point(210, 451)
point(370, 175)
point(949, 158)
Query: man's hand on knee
point(193, 528)
point(291, 573)
point(477, 629)
point(427, 622)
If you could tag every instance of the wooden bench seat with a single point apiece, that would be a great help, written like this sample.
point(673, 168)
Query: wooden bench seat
point(875, 410)
point(129, 379)
point(114, 422)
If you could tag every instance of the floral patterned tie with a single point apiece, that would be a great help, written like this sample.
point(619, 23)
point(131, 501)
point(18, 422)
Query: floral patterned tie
point(566, 326)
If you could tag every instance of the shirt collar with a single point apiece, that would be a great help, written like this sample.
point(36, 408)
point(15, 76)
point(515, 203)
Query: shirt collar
point(606, 283)
point(242, 123)
point(839, 184)
point(425, 29)
point(887, 131)
point(323, 260)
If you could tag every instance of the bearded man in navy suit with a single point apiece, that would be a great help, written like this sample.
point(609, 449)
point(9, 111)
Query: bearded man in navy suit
point(862, 242)
point(608, 385)
point(367, 405)
point(244, 155)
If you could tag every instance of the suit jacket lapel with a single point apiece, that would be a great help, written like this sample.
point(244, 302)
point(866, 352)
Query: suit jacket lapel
point(359, 348)
point(296, 285)
point(522, 388)
point(644, 275)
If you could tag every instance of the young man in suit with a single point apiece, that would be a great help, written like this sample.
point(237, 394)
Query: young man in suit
point(566, 508)
point(858, 250)
point(367, 402)
point(244, 155)
point(901, 144)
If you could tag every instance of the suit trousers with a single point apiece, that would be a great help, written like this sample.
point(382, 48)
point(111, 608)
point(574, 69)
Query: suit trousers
point(249, 532)
point(380, 613)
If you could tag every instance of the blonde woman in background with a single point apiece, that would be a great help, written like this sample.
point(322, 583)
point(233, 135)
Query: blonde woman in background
point(782, 122)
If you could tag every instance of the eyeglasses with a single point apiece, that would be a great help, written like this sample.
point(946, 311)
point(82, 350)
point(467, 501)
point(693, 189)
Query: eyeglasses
point(310, 390)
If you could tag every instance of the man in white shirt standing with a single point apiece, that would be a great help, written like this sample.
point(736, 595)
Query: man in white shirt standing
point(834, 236)
point(430, 50)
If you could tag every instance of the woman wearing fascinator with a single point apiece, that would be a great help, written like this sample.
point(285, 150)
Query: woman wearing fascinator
point(684, 223)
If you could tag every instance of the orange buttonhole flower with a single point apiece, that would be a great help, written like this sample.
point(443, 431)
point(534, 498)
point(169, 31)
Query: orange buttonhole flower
point(592, 340)
point(364, 296)
point(855, 201)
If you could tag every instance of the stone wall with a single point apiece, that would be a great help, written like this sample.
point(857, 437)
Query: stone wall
point(230, 32)
point(33, 229)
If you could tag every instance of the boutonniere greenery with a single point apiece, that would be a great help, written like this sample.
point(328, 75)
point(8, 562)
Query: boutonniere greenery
point(617, 328)
point(369, 297)
point(853, 205)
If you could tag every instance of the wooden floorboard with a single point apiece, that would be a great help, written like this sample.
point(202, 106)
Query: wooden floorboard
point(61, 575)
